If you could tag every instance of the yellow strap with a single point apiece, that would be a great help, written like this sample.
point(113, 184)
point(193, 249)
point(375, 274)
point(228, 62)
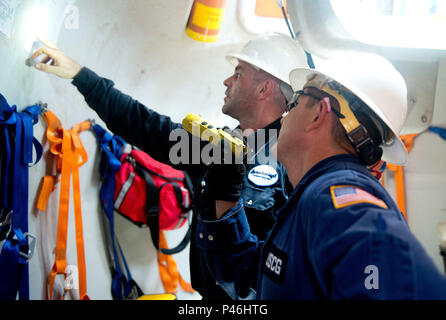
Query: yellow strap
point(350, 123)
point(165, 296)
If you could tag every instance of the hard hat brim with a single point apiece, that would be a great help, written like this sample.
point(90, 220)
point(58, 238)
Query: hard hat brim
point(394, 152)
point(235, 58)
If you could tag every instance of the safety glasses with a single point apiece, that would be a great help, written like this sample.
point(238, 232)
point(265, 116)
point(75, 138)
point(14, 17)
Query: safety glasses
point(295, 101)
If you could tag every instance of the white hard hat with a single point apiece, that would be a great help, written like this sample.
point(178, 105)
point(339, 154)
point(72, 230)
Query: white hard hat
point(377, 83)
point(274, 53)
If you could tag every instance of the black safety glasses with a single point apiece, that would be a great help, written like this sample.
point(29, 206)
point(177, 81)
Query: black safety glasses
point(295, 101)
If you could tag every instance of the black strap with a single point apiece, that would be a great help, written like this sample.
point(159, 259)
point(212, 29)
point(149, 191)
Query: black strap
point(178, 195)
point(151, 192)
point(152, 211)
point(188, 185)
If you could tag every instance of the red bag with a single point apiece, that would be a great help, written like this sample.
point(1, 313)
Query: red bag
point(152, 193)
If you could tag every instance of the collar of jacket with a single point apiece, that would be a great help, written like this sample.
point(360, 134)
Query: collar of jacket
point(335, 163)
point(272, 126)
point(275, 125)
point(259, 143)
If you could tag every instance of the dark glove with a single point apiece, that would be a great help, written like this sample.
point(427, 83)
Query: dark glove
point(224, 181)
point(220, 181)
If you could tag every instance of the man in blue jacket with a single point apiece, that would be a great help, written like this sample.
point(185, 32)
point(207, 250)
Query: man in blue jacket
point(256, 96)
point(340, 235)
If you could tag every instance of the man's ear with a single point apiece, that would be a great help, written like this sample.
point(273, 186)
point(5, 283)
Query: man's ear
point(320, 115)
point(265, 89)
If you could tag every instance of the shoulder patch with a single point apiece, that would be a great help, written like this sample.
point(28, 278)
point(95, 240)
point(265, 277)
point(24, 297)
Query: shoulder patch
point(344, 196)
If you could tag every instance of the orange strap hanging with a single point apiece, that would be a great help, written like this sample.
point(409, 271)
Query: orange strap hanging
point(70, 156)
point(170, 277)
point(399, 175)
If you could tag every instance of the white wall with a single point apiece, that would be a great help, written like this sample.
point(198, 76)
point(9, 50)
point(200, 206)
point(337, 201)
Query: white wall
point(425, 175)
point(142, 46)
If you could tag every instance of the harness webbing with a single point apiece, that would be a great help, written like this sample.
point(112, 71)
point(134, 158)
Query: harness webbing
point(17, 141)
point(70, 156)
point(168, 269)
point(123, 285)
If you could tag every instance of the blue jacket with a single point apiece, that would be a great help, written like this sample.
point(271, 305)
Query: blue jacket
point(151, 131)
point(340, 236)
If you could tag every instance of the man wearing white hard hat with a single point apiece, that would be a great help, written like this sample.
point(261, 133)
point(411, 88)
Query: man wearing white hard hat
point(340, 235)
point(256, 95)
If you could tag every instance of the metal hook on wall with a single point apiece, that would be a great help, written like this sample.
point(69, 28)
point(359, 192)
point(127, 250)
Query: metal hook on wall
point(43, 107)
point(92, 123)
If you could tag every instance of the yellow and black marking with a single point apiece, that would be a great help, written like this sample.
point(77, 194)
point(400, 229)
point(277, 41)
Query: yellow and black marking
point(199, 127)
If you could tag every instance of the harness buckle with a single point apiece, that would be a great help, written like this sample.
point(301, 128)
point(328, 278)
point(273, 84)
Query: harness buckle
point(359, 136)
point(4, 214)
point(43, 107)
point(92, 123)
point(31, 246)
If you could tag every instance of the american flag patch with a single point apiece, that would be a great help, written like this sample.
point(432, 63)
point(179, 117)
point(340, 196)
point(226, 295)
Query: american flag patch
point(344, 196)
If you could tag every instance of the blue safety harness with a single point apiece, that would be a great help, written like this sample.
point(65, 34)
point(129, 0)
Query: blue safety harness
point(17, 141)
point(123, 285)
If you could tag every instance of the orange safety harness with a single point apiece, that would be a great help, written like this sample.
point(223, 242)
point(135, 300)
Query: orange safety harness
point(398, 171)
point(70, 156)
point(170, 277)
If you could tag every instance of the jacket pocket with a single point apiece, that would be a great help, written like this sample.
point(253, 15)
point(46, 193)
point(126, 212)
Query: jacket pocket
point(257, 198)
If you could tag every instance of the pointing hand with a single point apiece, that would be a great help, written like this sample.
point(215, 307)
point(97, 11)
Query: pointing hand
point(56, 61)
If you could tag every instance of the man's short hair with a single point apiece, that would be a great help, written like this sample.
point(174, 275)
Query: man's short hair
point(285, 88)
